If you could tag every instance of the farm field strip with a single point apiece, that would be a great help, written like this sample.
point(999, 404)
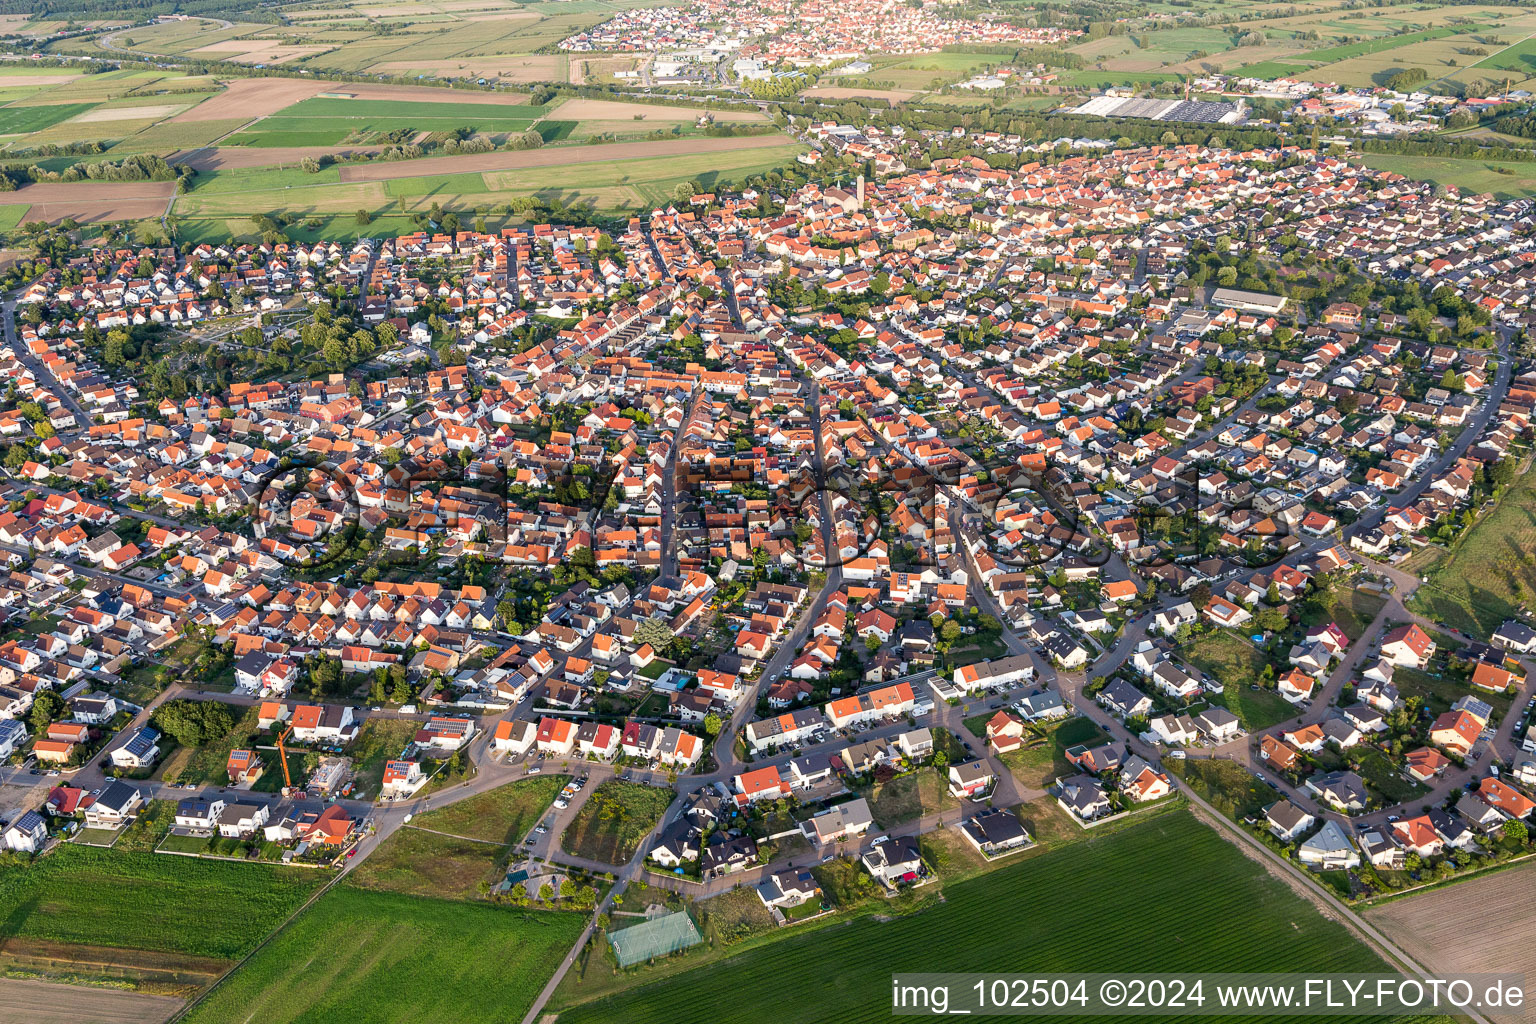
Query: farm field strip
point(134, 899)
point(1170, 876)
point(383, 958)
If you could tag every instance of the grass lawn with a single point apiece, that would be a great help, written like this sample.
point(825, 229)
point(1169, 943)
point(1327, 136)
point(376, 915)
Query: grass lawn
point(420, 863)
point(1037, 766)
point(909, 796)
point(381, 739)
point(96, 836)
point(1486, 576)
point(385, 958)
point(614, 819)
point(1230, 788)
point(1235, 663)
point(1441, 690)
point(1139, 894)
point(1377, 769)
point(500, 815)
point(79, 894)
point(205, 765)
point(976, 649)
point(1352, 610)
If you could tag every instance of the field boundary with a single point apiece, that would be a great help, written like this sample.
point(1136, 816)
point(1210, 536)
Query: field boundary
point(556, 156)
point(197, 1000)
point(1326, 902)
point(1443, 883)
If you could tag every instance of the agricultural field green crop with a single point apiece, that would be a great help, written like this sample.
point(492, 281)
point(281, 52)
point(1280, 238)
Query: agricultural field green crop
point(1165, 895)
point(384, 958)
point(85, 895)
point(328, 107)
point(11, 215)
point(22, 120)
point(1330, 54)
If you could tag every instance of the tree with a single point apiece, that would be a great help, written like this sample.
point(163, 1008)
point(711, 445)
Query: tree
point(546, 892)
point(1516, 831)
point(950, 631)
point(193, 722)
point(656, 632)
point(712, 724)
point(46, 706)
point(401, 692)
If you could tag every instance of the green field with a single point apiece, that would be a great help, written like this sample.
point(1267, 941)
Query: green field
point(11, 215)
point(1519, 57)
point(421, 863)
point(1235, 663)
point(437, 184)
point(1383, 776)
point(326, 121)
point(1037, 765)
point(1226, 785)
point(501, 815)
point(1351, 610)
point(1269, 69)
point(1331, 54)
point(324, 107)
point(1507, 179)
point(383, 958)
point(1166, 894)
point(1489, 572)
point(83, 895)
point(24, 120)
point(908, 797)
point(260, 178)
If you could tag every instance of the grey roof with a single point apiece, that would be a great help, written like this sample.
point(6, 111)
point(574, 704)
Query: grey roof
point(1331, 838)
point(1037, 704)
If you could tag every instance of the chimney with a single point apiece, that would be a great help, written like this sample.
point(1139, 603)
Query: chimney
point(860, 192)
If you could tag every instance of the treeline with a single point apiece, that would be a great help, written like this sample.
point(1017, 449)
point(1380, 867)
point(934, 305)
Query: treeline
point(139, 167)
point(129, 10)
point(548, 93)
point(1462, 150)
point(1523, 125)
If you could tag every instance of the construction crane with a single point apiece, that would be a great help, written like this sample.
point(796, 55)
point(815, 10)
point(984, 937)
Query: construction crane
point(282, 756)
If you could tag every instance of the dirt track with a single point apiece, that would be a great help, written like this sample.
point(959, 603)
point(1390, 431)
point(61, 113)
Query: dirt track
point(555, 156)
point(41, 1002)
